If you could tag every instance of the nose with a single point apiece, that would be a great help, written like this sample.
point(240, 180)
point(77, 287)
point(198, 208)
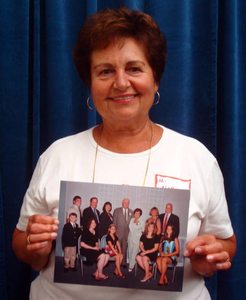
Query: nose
point(121, 81)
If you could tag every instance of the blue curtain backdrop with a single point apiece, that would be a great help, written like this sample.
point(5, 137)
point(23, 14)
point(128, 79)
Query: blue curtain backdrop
point(42, 99)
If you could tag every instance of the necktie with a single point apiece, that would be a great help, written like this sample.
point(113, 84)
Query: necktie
point(125, 215)
point(165, 223)
point(95, 213)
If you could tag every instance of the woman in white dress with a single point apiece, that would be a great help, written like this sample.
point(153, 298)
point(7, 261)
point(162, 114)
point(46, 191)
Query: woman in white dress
point(136, 227)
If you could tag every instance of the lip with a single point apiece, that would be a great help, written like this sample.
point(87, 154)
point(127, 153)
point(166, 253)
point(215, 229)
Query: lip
point(123, 98)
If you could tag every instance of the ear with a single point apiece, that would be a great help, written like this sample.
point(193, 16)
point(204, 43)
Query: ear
point(156, 87)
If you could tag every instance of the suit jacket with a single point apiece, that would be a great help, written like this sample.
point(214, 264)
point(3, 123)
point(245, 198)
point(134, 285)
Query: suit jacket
point(173, 220)
point(119, 221)
point(70, 235)
point(89, 214)
point(105, 221)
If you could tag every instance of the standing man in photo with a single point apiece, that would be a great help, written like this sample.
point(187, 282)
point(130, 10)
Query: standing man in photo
point(121, 219)
point(75, 208)
point(168, 218)
point(91, 212)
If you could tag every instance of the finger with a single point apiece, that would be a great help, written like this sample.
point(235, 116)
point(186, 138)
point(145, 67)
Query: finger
point(209, 249)
point(197, 242)
point(37, 228)
point(43, 219)
point(218, 257)
point(223, 266)
point(40, 238)
point(37, 246)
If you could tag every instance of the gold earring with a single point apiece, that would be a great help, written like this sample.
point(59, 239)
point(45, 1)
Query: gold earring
point(158, 100)
point(91, 108)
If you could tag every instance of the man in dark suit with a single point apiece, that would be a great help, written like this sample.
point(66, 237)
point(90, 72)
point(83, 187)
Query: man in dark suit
point(70, 235)
point(91, 212)
point(121, 219)
point(168, 218)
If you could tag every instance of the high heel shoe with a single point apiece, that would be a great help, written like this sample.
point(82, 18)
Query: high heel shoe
point(144, 280)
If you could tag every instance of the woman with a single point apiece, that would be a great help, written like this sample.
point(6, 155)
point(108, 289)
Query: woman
point(90, 249)
point(113, 249)
point(106, 219)
point(169, 251)
point(149, 243)
point(136, 228)
point(154, 213)
point(120, 54)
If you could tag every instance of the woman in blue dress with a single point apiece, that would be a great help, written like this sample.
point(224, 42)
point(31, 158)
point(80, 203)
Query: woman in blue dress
point(169, 251)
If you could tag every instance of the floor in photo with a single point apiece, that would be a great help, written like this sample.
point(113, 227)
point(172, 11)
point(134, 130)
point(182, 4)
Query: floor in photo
point(131, 281)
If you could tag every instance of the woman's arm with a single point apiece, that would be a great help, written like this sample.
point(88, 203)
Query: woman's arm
point(176, 252)
point(40, 232)
point(141, 246)
point(153, 249)
point(158, 224)
point(208, 254)
point(118, 246)
point(86, 246)
point(112, 247)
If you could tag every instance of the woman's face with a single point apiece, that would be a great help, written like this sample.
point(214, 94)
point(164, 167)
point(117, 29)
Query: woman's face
point(169, 230)
point(93, 224)
point(122, 82)
point(153, 213)
point(150, 228)
point(137, 214)
point(107, 207)
point(112, 229)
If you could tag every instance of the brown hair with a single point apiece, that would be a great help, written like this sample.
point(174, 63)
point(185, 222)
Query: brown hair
point(147, 226)
point(154, 208)
point(111, 25)
point(138, 209)
point(110, 226)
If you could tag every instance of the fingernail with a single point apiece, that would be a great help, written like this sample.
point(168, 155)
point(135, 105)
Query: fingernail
point(53, 235)
point(44, 243)
point(56, 222)
point(55, 227)
point(219, 266)
point(210, 257)
point(198, 250)
point(186, 253)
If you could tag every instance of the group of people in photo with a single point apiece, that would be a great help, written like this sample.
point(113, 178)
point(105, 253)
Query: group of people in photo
point(129, 238)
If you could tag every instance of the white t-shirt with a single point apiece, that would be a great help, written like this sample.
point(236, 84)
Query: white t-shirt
point(175, 156)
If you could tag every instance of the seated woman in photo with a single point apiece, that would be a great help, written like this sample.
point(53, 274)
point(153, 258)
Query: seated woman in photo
point(114, 250)
point(90, 249)
point(169, 251)
point(154, 213)
point(149, 243)
point(106, 219)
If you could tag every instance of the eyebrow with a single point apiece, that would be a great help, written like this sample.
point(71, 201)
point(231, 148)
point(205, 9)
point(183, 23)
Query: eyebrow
point(129, 63)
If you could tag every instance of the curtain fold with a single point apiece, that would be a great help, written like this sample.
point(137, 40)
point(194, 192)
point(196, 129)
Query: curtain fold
point(42, 99)
point(231, 134)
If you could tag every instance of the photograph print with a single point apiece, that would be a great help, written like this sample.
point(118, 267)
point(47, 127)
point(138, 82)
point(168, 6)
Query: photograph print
point(121, 236)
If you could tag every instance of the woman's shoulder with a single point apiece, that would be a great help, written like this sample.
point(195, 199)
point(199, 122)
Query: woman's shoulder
point(185, 141)
point(70, 142)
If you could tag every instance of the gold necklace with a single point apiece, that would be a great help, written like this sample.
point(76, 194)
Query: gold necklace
point(147, 167)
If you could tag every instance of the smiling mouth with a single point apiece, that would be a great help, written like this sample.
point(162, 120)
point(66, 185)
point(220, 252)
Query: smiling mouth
point(123, 98)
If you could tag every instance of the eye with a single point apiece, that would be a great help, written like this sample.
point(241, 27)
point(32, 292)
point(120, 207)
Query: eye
point(134, 69)
point(105, 72)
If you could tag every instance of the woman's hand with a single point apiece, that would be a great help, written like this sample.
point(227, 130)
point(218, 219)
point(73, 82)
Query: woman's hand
point(41, 231)
point(34, 245)
point(208, 254)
